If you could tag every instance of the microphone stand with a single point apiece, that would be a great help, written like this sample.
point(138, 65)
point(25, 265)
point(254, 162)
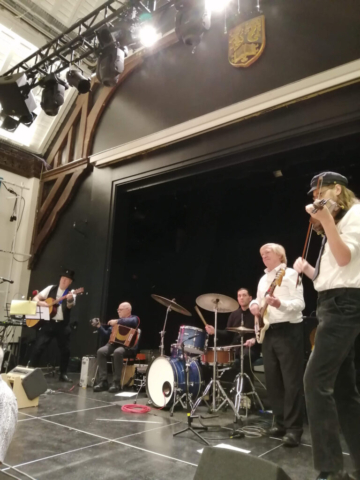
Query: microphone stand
point(188, 408)
point(162, 333)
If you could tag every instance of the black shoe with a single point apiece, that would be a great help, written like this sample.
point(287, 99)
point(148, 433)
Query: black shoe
point(291, 440)
point(101, 387)
point(64, 378)
point(276, 432)
point(115, 387)
point(333, 476)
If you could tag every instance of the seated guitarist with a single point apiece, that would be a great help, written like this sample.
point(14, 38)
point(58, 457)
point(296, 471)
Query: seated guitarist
point(283, 345)
point(58, 327)
point(120, 352)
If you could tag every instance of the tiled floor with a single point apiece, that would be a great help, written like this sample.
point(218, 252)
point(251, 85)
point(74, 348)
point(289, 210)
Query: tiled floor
point(82, 435)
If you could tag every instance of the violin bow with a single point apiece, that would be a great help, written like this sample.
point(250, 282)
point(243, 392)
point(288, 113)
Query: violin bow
point(308, 236)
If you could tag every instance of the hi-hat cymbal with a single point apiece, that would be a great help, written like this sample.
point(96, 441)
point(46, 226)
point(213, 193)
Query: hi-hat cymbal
point(173, 305)
point(240, 330)
point(222, 303)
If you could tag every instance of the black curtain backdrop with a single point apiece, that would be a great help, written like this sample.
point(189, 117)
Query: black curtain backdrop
point(202, 234)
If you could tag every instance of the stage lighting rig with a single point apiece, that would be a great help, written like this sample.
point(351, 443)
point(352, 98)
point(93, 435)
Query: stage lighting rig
point(77, 80)
point(192, 20)
point(8, 123)
point(16, 98)
point(111, 61)
point(53, 93)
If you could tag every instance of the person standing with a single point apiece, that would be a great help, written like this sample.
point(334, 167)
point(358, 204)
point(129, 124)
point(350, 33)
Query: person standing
point(59, 326)
point(332, 399)
point(283, 345)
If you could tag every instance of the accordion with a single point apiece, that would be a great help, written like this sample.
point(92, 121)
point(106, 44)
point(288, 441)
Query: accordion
point(123, 335)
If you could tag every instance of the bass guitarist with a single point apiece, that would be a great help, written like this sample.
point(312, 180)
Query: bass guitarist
point(58, 327)
point(283, 345)
point(120, 352)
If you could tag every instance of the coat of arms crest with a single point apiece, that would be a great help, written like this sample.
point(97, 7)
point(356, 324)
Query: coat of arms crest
point(247, 42)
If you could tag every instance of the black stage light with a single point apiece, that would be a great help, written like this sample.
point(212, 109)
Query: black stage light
point(16, 97)
point(111, 59)
point(28, 120)
point(77, 80)
point(9, 124)
point(191, 22)
point(52, 96)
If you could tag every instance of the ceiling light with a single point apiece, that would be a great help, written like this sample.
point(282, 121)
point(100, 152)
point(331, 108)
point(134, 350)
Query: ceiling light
point(148, 36)
point(9, 124)
point(111, 61)
point(53, 94)
point(191, 22)
point(16, 98)
point(217, 5)
point(77, 80)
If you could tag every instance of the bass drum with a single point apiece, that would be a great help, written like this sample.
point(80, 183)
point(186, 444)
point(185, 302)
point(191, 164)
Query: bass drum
point(164, 375)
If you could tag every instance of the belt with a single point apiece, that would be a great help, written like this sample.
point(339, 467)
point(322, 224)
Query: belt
point(275, 326)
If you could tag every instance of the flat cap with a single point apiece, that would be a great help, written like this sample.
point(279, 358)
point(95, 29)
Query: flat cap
point(328, 178)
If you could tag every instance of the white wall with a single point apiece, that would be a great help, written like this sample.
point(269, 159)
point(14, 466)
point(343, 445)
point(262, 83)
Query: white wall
point(18, 271)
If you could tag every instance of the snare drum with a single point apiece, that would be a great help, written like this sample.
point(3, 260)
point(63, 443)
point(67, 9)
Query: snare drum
point(195, 339)
point(225, 356)
point(165, 375)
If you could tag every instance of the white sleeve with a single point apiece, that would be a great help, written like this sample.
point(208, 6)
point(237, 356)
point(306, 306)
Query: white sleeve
point(350, 232)
point(45, 293)
point(257, 300)
point(296, 303)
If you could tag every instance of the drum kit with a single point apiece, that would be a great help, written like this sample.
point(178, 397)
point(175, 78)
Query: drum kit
point(170, 379)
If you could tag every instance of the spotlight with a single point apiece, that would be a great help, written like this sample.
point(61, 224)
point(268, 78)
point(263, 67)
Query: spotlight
point(77, 80)
point(191, 22)
point(16, 97)
point(9, 124)
point(148, 36)
point(217, 5)
point(111, 59)
point(52, 96)
point(28, 120)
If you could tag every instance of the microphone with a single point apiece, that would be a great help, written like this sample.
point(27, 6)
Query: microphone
point(6, 280)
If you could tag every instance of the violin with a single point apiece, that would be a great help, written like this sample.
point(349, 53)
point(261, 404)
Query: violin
point(333, 208)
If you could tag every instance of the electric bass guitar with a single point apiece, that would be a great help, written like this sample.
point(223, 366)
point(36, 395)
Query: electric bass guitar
point(261, 322)
point(53, 306)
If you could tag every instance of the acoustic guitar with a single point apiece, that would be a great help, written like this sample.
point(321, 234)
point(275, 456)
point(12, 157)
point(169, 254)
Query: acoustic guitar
point(53, 306)
point(261, 322)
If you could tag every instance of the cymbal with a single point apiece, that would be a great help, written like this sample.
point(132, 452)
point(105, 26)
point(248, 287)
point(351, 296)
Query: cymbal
point(224, 304)
point(240, 330)
point(173, 305)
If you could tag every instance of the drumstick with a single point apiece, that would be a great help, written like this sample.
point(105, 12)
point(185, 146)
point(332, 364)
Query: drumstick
point(200, 315)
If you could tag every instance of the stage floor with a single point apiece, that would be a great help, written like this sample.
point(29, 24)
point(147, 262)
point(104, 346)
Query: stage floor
point(83, 435)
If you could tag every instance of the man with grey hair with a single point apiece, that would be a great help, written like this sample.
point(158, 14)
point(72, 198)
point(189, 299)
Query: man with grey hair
point(120, 352)
point(283, 345)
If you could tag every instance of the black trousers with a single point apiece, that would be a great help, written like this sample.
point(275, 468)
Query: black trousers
point(332, 399)
point(119, 354)
point(47, 332)
point(283, 352)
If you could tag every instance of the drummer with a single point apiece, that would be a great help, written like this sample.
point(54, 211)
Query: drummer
point(252, 349)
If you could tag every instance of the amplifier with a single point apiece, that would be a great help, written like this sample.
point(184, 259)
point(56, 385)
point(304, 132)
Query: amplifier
point(88, 371)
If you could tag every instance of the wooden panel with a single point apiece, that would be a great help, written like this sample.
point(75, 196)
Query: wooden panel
point(70, 145)
point(63, 134)
point(51, 198)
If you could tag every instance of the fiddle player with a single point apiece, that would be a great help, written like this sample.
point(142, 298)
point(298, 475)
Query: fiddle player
point(120, 352)
point(332, 399)
point(283, 345)
point(252, 349)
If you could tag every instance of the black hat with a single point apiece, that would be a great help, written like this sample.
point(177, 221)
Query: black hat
point(328, 178)
point(68, 273)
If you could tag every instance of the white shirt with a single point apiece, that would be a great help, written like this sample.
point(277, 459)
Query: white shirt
point(333, 276)
point(45, 293)
point(290, 296)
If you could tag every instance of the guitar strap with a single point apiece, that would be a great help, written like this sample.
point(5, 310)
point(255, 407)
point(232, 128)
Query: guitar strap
point(65, 293)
